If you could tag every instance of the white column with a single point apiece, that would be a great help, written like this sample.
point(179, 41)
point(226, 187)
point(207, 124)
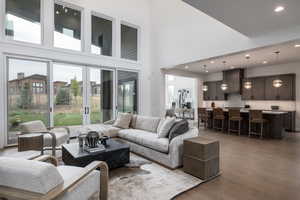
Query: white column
point(117, 38)
point(2, 19)
point(47, 14)
point(86, 30)
point(3, 125)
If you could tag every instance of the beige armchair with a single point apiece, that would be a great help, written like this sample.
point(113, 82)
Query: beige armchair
point(36, 180)
point(53, 137)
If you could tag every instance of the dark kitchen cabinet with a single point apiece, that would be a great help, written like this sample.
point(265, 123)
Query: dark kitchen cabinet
point(220, 95)
point(233, 78)
point(214, 92)
point(287, 90)
point(285, 93)
point(257, 92)
point(246, 93)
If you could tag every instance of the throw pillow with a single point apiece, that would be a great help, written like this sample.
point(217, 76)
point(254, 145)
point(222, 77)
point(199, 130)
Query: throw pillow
point(178, 128)
point(133, 121)
point(123, 120)
point(165, 127)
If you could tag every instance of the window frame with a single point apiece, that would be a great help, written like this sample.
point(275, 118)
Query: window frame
point(82, 25)
point(122, 22)
point(3, 26)
point(114, 30)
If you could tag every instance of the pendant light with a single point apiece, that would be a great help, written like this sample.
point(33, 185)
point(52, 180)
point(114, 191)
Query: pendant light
point(277, 83)
point(224, 85)
point(204, 87)
point(247, 83)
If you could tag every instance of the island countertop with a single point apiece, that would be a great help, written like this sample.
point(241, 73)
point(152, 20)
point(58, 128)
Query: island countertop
point(272, 112)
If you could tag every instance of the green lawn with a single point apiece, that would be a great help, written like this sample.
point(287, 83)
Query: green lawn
point(60, 119)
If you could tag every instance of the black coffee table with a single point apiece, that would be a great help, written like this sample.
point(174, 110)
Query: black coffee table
point(116, 155)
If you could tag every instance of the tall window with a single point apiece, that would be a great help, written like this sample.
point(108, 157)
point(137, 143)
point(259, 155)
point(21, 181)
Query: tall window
point(101, 36)
point(27, 89)
point(67, 32)
point(127, 91)
point(129, 42)
point(22, 20)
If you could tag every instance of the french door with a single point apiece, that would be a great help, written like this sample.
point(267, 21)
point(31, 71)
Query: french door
point(27, 94)
point(59, 94)
point(82, 94)
point(127, 91)
point(100, 95)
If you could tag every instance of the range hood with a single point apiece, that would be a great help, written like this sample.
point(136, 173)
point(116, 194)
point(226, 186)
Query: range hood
point(234, 80)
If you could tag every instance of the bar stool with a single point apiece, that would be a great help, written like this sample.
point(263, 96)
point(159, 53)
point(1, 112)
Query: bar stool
point(234, 115)
point(256, 117)
point(202, 117)
point(218, 115)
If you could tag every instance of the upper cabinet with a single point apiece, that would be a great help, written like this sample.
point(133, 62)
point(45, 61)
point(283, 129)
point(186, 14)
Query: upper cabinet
point(233, 78)
point(257, 92)
point(285, 93)
point(263, 89)
point(214, 92)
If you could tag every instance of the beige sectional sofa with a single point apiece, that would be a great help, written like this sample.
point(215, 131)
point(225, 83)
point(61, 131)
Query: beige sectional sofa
point(143, 140)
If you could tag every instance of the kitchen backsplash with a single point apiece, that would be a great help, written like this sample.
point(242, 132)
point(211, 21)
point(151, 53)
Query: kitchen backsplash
point(261, 105)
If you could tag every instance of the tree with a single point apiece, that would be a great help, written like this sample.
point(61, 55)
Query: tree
point(63, 97)
point(75, 87)
point(25, 100)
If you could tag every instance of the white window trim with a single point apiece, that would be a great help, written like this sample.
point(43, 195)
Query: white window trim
point(138, 40)
point(114, 30)
point(82, 24)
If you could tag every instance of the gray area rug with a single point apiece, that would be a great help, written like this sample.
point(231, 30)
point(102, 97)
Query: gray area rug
point(145, 180)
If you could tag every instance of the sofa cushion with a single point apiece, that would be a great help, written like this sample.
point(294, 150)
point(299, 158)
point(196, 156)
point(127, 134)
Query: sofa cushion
point(61, 138)
point(165, 127)
point(178, 128)
point(33, 126)
point(29, 175)
point(104, 129)
point(123, 120)
point(146, 139)
point(147, 123)
point(89, 186)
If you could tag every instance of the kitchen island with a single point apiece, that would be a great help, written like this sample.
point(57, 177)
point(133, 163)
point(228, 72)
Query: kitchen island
point(275, 127)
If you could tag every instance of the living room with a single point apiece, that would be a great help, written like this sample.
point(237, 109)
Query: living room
point(84, 83)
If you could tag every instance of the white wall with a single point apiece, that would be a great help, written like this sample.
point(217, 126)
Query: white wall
point(179, 83)
point(133, 12)
point(181, 34)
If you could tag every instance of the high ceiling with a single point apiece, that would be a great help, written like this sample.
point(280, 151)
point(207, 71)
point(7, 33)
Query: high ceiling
point(251, 17)
point(289, 53)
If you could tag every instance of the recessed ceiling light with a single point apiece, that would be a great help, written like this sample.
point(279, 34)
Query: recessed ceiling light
point(265, 62)
point(297, 45)
point(279, 9)
point(212, 62)
point(206, 71)
point(186, 67)
point(247, 56)
point(232, 67)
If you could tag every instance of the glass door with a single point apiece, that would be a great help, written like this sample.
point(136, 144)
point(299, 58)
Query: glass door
point(27, 94)
point(127, 91)
point(68, 94)
point(100, 95)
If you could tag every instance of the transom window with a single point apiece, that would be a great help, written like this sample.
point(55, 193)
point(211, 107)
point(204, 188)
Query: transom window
point(67, 23)
point(23, 20)
point(129, 42)
point(101, 36)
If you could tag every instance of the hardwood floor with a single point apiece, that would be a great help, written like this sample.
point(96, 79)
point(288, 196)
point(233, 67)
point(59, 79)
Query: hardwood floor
point(253, 169)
